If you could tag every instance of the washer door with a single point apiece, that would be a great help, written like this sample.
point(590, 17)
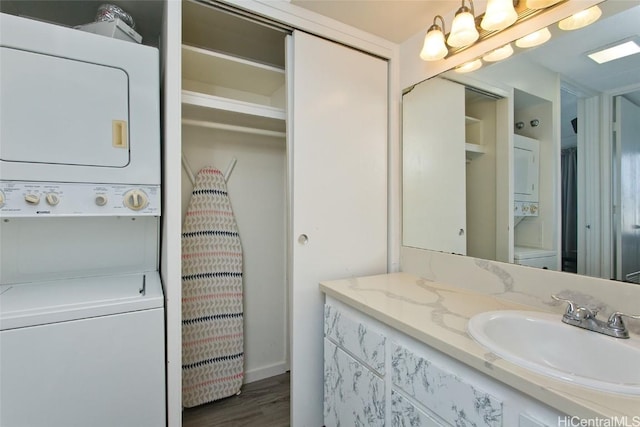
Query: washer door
point(62, 111)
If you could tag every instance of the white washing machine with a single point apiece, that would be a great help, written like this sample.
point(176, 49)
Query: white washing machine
point(83, 352)
point(82, 338)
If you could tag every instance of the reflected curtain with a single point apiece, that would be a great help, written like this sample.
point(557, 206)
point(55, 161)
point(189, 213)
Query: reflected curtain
point(569, 163)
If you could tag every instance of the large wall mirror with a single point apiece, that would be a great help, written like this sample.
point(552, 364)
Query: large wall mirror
point(534, 159)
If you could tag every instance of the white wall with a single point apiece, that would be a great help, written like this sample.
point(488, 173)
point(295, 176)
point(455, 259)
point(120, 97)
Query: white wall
point(170, 251)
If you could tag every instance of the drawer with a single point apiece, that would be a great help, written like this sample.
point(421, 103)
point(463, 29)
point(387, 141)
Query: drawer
point(358, 339)
point(405, 413)
point(444, 393)
point(353, 394)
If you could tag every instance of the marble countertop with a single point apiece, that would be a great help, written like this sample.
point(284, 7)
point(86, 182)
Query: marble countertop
point(437, 315)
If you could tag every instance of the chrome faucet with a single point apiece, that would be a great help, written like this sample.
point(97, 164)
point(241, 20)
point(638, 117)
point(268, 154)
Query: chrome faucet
point(585, 318)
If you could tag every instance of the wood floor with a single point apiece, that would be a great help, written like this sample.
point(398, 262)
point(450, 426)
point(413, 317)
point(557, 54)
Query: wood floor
point(263, 403)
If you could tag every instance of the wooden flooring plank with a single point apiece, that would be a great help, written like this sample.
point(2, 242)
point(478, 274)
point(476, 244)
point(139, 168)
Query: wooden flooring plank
point(262, 403)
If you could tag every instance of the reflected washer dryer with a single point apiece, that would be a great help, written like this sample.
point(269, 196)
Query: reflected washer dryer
point(81, 301)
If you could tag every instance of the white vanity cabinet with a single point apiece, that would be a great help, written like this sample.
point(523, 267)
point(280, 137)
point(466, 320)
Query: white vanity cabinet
point(354, 355)
point(366, 359)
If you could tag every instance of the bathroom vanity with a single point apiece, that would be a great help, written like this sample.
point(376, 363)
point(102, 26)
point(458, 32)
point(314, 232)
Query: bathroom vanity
point(397, 352)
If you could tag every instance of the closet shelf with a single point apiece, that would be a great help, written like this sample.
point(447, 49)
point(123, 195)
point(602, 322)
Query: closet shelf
point(231, 105)
point(474, 151)
point(197, 107)
point(215, 69)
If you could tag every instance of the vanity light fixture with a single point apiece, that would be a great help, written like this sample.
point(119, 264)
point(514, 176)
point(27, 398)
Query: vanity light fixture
point(534, 39)
point(617, 51)
point(499, 15)
point(541, 4)
point(468, 67)
point(434, 47)
point(499, 54)
point(463, 27)
point(580, 19)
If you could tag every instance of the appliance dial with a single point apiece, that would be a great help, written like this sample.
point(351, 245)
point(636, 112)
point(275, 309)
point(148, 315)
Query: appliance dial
point(32, 199)
point(136, 199)
point(101, 199)
point(52, 199)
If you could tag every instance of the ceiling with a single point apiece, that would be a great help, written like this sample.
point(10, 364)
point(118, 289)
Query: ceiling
point(393, 20)
point(567, 55)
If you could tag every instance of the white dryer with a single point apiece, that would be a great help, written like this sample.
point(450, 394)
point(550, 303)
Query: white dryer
point(76, 106)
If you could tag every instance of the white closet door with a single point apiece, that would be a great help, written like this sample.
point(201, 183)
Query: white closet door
point(434, 183)
point(338, 172)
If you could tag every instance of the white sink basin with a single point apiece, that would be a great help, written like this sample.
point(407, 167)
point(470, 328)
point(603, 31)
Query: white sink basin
point(542, 343)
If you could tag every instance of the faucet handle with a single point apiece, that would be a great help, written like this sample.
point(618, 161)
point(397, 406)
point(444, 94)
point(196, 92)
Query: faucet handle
point(576, 311)
point(616, 322)
point(571, 305)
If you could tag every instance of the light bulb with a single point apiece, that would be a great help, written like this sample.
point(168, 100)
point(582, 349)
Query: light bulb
point(434, 47)
point(580, 19)
point(468, 67)
point(534, 39)
point(541, 4)
point(463, 29)
point(499, 54)
point(499, 15)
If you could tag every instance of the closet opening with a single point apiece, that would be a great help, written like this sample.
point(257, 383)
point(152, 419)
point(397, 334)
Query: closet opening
point(233, 122)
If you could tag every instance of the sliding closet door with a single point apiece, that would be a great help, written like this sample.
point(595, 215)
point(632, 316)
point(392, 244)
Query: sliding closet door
point(338, 173)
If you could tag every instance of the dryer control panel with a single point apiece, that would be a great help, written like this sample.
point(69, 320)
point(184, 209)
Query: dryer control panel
point(34, 199)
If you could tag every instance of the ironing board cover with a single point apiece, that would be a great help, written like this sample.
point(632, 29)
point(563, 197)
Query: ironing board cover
point(212, 320)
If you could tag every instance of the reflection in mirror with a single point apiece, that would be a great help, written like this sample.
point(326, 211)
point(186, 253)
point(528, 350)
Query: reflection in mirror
point(533, 159)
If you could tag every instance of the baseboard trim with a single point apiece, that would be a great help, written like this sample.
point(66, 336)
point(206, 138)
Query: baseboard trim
point(265, 372)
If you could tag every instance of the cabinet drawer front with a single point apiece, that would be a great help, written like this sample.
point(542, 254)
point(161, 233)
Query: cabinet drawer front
point(442, 392)
point(358, 339)
point(405, 413)
point(353, 395)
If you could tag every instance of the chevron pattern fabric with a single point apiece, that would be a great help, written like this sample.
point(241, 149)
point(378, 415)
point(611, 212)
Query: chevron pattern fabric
point(212, 316)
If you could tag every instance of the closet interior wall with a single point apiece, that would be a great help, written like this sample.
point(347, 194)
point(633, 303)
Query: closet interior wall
point(233, 107)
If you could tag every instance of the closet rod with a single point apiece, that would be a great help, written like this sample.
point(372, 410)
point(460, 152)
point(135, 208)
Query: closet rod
point(234, 128)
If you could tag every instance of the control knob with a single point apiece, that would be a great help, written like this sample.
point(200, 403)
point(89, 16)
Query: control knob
point(32, 198)
point(52, 199)
point(136, 199)
point(101, 199)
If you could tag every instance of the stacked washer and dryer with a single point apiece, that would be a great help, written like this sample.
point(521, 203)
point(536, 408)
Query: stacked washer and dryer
point(81, 301)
